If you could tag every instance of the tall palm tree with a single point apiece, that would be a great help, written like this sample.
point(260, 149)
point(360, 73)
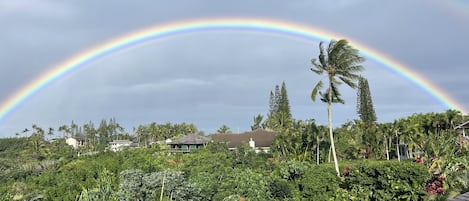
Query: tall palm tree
point(340, 63)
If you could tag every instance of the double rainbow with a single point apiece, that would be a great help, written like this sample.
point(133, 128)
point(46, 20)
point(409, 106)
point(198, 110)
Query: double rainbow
point(240, 24)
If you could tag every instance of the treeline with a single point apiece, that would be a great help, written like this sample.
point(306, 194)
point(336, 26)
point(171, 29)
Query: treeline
point(213, 173)
point(298, 168)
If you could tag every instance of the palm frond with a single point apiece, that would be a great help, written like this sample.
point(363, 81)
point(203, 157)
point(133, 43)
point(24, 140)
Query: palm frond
point(356, 68)
point(314, 93)
point(335, 81)
point(349, 82)
point(342, 64)
point(336, 96)
point(318, 70)
point(323, 58)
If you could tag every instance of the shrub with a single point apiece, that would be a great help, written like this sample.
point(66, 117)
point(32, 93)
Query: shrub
point(386, 180)
point(320, 182)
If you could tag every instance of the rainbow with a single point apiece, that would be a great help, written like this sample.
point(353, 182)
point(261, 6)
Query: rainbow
point(240, 24)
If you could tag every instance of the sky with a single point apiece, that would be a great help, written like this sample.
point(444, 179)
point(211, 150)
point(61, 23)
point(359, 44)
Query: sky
point(222, 77)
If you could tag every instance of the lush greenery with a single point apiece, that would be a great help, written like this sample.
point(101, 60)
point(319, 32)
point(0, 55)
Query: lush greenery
point(418, 157)
point(290, 172)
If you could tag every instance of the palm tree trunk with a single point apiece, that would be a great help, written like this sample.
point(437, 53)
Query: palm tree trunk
point(331, 135)
point(317, 149)
point(397, 148)
point(386, 147)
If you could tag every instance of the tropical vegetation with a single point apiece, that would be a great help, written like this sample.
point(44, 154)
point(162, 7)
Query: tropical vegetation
point(417, 157)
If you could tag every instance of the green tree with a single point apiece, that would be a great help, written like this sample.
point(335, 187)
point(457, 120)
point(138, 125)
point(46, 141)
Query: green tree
point(257, 122)
point(367, 115)
point(36, 142)
point(279, 117)
point(65, 130)
point(224, 129)
point(341, 63)
point(365, 108)
point(283, 103)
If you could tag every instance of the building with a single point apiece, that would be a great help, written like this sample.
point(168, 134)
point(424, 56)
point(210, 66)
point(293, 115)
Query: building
point(188, 143)
point(259, 139)
point(463, 126)
point(119, 145)
point(463, 138)
point(75, 142)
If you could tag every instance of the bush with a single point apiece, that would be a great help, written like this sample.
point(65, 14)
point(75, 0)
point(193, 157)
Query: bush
point(280, 189)
point(320, 182)
point(386, 180)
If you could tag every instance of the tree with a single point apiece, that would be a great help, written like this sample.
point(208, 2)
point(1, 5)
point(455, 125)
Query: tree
point(367, 115)
point(365, 108)
point(65, 130)
point(25, 131)
point(341, 63)
point(279, 117)
point(283, 103)
point(257, 122)
point(37, 139)
point(224, 129)
point(50, 132)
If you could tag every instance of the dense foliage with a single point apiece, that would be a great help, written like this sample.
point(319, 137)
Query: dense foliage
point(215, 174)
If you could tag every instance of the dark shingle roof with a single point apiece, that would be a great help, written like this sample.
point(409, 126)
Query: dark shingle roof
point(192, 139)
point(262, 138)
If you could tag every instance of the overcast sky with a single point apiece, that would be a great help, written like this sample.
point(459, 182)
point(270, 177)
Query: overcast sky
point(216, 78)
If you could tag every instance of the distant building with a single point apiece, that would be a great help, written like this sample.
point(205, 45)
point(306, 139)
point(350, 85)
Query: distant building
point(119, 145)
point(188, 143)
point(75, 142)
point(463, 126)
point(259, 139)
point(463, 139)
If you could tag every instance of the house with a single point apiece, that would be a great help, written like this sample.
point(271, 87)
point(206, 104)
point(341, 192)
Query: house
point(463, 138)
point(119, 145)
point(259, 139)
point(188, 143)
point(463, 126)
point(75, 142)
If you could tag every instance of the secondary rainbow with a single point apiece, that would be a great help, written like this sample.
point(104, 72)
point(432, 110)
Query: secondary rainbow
point(240, 24)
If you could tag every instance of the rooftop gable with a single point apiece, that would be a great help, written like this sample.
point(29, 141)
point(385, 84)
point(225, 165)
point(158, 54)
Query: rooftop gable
point(192, 139)
point(261, 137)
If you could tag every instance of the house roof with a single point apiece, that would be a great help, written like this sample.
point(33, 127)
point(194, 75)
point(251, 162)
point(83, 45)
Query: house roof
point(261, 137)
point(120, 142)
point(462, 125)
point(192, 139)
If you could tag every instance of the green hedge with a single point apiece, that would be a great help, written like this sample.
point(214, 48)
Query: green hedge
point(385, 180)
point(361, 180)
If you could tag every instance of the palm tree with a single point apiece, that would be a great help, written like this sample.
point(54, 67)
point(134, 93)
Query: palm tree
point(224, 129)
point(65, 130)
point(341, 63)
point(25, 131)
point(257, 122)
